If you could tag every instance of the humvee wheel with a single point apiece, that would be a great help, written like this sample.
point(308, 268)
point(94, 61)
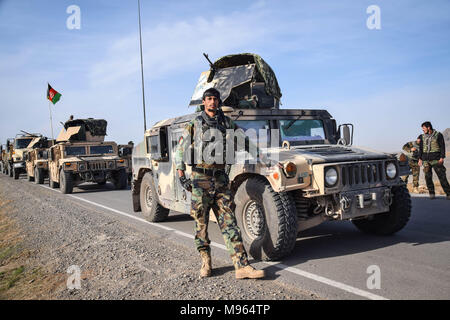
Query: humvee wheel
point(51, 183)
point(151, 209)
point(16, 174)
point(392, 221)
point(120, 179)
point(267, 219)
point(38, 176)
point(65, 181)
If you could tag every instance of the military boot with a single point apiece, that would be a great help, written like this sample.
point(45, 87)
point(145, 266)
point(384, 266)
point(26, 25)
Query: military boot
point(205, 271)
point(249, 272)
point(432, 196)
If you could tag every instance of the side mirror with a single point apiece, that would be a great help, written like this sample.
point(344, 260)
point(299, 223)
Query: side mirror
point(346, 138)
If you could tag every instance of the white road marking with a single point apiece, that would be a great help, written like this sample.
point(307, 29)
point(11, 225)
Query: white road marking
point(305, 274)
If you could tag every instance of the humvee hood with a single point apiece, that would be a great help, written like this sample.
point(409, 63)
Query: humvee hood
point(332, 153)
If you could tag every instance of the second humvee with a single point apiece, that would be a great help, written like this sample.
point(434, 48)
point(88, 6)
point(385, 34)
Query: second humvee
point(81, 155)
point(322, 178)
point(36, 159)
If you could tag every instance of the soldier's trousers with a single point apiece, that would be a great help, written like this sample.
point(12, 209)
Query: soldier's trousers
point(415, 171)
point(212, 193)
point(440, 172)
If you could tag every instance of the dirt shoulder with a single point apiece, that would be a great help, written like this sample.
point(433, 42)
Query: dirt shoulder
point(43, 234)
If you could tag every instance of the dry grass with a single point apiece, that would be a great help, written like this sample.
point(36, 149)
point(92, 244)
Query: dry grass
point(21, 277)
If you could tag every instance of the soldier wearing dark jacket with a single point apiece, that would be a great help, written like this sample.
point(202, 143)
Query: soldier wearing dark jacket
point(431, 155)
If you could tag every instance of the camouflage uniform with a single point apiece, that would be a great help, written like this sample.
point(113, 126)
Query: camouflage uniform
point(211, 192)
point(432, 148)
point(413, 161)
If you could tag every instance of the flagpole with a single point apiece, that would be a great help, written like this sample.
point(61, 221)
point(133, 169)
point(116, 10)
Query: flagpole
point(51, 120)
point(142, 65)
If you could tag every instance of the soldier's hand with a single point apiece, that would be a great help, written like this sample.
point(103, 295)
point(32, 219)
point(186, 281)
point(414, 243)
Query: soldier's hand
point(420, 162)
point(441, 161)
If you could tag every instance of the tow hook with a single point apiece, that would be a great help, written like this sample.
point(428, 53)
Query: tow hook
point(387, 197)
point(345, 203)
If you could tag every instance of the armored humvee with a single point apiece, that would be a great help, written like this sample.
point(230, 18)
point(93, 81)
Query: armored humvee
point(81, 155)
point(36, 159)
point(322, 177)
point(16, 161)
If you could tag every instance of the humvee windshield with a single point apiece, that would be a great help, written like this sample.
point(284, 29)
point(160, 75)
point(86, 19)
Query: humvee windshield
point(75, 151)
point(22, 143)
point(255, 126)
point(302, 130)
point(101, 150)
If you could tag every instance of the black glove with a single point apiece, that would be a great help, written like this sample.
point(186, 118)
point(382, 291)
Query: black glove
point(186, 183)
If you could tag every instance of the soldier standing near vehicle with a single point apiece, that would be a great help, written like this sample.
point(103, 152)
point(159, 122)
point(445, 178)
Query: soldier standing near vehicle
point(210, 189)
point(431, 155)
point(412, 149)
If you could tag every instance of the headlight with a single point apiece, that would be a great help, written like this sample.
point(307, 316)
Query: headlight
point(290, 169)
point(391, 170)
point(110, 164)
point(81, 167)
point(331, 177)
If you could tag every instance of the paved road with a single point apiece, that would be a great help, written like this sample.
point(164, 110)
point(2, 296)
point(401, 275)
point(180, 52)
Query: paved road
point(335, 260)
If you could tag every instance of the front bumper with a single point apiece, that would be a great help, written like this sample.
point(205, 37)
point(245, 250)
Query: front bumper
point(359, 203)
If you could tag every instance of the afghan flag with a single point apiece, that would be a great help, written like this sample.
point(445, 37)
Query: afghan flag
point(53, 95)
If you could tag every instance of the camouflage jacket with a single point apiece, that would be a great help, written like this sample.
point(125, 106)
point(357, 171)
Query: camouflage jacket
point(187, 144)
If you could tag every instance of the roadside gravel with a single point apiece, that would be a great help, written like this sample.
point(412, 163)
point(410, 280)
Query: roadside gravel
point(117, 260)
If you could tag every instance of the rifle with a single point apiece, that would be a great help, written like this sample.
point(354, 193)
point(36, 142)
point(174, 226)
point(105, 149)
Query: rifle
point(210, 63)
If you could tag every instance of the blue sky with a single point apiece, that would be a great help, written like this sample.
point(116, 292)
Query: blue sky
point(386, 82)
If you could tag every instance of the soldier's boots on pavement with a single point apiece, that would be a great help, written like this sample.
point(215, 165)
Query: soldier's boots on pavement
point(249, 272)
point(205, 271)
point(432, 196)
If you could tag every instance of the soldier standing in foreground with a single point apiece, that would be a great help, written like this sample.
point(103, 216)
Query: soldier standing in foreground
point(431, 155)
point(412, 149)
point(210, 189)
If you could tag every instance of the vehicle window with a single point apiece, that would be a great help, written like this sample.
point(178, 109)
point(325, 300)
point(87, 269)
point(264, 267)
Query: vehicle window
point(252, 127)
point(108, 149)
point(302, 130)
point(22, 143)
point(75, 151)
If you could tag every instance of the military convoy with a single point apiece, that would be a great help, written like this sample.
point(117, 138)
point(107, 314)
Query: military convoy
point(322, 176)
point(81, 155)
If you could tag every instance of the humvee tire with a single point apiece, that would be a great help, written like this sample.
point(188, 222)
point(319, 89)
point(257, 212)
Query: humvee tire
point(151, 209)
point(65, 182)
point(16, 174)
point(120, 179)
point(267, 219)
point(38, 176)
point(51, 183)
point(392, 221)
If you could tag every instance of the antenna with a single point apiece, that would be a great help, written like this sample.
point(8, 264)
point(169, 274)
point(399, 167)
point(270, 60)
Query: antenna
point(142, 65)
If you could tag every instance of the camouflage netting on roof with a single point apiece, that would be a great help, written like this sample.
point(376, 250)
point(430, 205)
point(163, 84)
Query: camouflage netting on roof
point(97, 127)
point(262, 67)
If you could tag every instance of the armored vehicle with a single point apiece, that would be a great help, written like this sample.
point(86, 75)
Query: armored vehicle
point(81, 155)
point(16, 161)
point(321, 176)
point(36, 159)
